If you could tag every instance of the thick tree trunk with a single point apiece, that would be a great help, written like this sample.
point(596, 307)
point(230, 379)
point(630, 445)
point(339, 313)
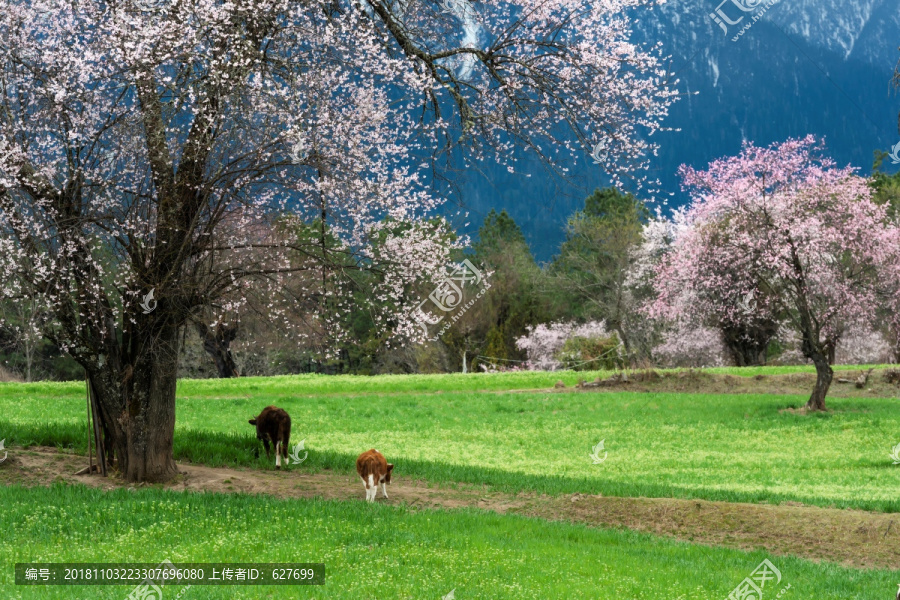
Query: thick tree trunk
point(746, 355)
point(137, 407)
point(748, 345)
point(824, 375)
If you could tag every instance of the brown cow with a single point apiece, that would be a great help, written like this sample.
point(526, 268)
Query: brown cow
point(373, 469)
point(274, 424)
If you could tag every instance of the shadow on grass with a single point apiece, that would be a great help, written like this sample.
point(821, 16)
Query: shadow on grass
point(234, 450)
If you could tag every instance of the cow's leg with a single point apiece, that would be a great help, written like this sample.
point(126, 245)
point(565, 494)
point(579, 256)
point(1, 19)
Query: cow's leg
point(384, 489)
point(277, 455)
point(365, 487)
point(266, 444)
point(371, 488)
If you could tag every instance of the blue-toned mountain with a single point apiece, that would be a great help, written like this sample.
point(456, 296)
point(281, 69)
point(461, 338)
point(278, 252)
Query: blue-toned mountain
point(804, 66)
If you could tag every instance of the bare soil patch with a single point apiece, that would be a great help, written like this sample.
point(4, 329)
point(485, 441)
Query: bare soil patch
point(851, 537)
point(881, 383)
point(854, 538)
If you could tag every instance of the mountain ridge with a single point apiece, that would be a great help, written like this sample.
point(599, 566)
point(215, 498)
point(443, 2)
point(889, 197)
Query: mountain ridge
point(805, 66)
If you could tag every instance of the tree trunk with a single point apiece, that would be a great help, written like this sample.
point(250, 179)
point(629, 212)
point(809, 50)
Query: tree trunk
point(831, 351)
point(137, 407)
point(29, 360)
point(824, 375)
point(748, 344)
point(218, 345)
point(620, 331)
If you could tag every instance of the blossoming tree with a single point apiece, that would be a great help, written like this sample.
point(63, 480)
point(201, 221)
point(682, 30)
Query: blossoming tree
point(551, 346)
point(780, 231)
point(148, 145)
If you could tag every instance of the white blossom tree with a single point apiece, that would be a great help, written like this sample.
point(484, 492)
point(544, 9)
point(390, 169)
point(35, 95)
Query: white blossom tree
point(147, 146)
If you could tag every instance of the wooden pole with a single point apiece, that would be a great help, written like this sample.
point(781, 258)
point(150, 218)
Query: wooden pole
point(87, 388)
point(101, 453)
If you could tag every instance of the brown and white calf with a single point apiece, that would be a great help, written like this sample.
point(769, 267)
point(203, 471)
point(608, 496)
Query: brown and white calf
point(274, 424)
point(373, 469)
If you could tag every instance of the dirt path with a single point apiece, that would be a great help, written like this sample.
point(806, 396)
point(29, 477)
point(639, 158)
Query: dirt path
point(882, 383)
point(853, 538)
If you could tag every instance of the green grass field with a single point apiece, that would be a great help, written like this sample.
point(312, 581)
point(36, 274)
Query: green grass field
point(383, 552)
point(358, 384)
point(733, 447)
point(484, 429)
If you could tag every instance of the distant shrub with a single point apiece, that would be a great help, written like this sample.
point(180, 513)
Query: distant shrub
point(692, 346)
point(564, 345)
point(591, 353)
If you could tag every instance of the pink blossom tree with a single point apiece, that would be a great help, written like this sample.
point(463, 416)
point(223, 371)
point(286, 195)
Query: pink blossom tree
point(148, 146)
point(780, 231)
point(890, 290)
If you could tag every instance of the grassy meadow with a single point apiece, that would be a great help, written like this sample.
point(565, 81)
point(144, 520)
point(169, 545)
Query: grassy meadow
point(383, 552)
point(506, 431)
point(732, 447)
